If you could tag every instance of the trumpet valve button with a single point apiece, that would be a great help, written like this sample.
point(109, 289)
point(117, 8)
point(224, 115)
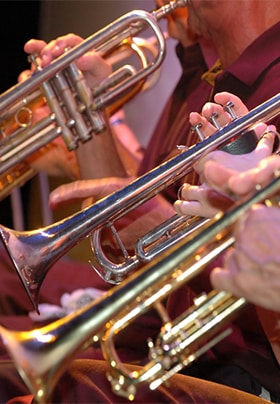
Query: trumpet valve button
point(213, 119)
point(229, 109)
point(196, 128)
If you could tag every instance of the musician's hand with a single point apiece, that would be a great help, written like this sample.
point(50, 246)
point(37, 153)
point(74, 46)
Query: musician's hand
point(217, 168)
point(251, 269)
point(54, 158)
point(200, 200)
point(217, 108)
point(40, 108)
point(206, 200)
point(94, 67)
point(265, 134)
point(86, 191)
point(34, 46)
point(130, 226)
point(241, 162)
point(242, 184)
point(177, 25)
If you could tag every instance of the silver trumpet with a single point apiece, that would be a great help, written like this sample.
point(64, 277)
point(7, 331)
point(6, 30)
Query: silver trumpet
point(34, 252)
point(42, 355)
point(76, 110)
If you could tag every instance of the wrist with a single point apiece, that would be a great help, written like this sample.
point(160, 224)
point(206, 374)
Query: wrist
point(117, 121)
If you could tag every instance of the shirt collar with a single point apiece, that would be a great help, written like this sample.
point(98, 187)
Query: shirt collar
point(190, 55)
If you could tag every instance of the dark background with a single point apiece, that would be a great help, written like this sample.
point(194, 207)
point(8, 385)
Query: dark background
point(19, 23)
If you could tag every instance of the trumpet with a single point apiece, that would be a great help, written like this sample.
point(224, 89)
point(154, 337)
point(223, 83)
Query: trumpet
point(76, 110)
point(34, 252)
point(42, 355)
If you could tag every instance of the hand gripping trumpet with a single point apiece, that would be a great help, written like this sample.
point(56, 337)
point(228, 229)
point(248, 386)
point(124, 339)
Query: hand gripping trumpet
point(76, 110)
point(42, 355)
point(34, 252)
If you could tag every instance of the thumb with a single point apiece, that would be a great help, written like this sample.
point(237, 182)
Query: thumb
point(221, 279)
point(69, 193)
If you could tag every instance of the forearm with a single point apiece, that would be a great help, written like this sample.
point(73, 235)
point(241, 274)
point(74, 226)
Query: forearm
point(128, 145)
point(99, 158)
point(143, 219)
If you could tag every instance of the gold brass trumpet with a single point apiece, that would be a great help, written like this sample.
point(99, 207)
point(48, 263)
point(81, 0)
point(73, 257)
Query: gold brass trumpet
point(34, 252)
point(76, 110)
point(42, 355)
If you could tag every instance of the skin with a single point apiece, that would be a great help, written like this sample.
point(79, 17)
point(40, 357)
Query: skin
point(203, 200)
point(59, 161)
point(251, 268)
point(224, 32)
point(177, 25)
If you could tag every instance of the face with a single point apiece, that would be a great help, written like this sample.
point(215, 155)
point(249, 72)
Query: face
point(206, 16)
point(178, 24)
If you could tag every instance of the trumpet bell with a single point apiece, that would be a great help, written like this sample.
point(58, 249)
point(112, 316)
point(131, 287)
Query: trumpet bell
point(30, 278)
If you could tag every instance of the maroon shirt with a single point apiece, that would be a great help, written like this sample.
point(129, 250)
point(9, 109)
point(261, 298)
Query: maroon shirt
point(254, 77)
